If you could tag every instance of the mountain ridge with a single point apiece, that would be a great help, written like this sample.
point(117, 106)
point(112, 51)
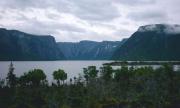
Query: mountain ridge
point(154, 43)
point(88, 50)
point(17, 45)
point(149, 42)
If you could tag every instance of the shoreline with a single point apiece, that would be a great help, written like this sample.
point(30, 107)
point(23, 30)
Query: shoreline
point(119, 63)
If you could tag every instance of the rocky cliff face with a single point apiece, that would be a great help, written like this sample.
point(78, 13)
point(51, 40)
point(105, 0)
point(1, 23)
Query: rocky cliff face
point(151, 42)
point(16, 45)
point(89, 50)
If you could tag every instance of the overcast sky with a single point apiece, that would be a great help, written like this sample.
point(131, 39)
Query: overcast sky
point(75, 20)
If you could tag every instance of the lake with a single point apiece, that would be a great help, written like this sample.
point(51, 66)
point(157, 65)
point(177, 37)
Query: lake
point(72, 68)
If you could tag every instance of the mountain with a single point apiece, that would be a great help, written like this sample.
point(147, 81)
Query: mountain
point(151, 42)
point(89, 50)
point(17, 45)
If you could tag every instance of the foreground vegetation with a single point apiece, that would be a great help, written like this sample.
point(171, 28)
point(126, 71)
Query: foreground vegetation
point(104, 88)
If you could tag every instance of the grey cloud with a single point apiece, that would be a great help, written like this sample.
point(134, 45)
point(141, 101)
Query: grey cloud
point(61, 5)
point(122, 33)
point(42, 28)
point(103, 24)
point(136, 2)
point(168, 28)
point(100, 10)
point(172, 29)
point(148, 16)
point(56, 26)
point(52, 16)
point(148, 28)
point(71, 28)
point(84, 9)
point(84, 14)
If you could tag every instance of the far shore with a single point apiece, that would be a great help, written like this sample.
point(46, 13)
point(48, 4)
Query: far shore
point(119, 63)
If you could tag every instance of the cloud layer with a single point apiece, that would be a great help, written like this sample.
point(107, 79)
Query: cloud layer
point(75, 20)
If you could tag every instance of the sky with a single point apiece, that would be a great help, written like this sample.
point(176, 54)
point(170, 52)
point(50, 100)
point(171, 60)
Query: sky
point(76, 20)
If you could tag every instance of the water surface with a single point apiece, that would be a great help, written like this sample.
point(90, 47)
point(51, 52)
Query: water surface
point(72, 68)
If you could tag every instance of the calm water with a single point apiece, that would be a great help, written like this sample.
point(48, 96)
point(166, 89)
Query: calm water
point(72, 68)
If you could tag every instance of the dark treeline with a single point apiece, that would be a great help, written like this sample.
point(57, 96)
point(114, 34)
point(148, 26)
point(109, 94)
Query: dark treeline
point(143, 87)
point(117, 63)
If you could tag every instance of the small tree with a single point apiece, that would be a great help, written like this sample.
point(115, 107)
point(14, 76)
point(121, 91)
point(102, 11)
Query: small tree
point(60, 75)
point(90, 72)
point(107, 72)
point(11, 77)
point(122, 74)
point(34, 77)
